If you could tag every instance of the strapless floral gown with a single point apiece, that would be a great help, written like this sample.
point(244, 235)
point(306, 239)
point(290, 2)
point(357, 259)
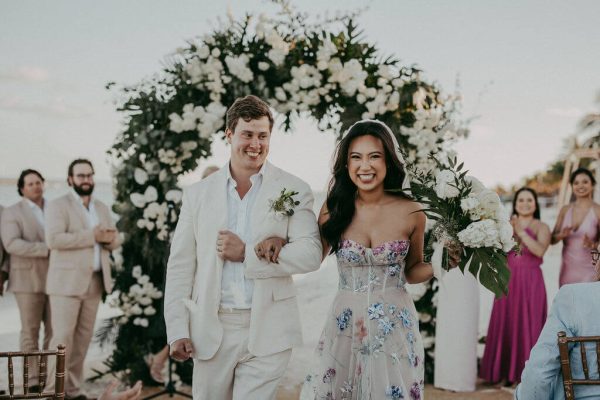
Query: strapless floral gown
point(370, 347)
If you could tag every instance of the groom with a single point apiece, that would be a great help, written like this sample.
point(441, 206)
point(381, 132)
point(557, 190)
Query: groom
point(226, 306)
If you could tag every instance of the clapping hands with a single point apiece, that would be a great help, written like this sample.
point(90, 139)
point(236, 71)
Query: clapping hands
point(565, 232)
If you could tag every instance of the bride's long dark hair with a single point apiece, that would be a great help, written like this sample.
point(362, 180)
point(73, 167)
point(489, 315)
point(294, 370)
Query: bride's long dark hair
point(342, 191)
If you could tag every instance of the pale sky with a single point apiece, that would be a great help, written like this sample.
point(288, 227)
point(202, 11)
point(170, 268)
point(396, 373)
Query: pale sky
point(527, 71)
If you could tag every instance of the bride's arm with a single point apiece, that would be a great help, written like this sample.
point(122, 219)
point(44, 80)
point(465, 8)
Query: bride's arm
point(417, 270)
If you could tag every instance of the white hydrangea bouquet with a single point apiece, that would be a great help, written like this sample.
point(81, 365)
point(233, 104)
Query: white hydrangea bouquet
point(469, 216)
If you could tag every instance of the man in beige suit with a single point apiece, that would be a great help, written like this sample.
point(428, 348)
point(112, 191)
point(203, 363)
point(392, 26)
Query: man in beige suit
point(22, 229)
point(234, 313)
point(80, 234)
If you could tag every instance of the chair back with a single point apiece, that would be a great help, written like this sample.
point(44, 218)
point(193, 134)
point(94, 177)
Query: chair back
point(59, 378)
point(565, 361)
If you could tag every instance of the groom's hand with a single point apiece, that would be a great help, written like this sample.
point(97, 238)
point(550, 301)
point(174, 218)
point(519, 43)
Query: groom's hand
point(182, 349)
point(230, 247)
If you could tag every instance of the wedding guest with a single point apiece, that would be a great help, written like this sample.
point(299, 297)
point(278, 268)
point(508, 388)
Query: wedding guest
point(80, 234)
point(22, 230)
point(577, 226)
point(574, 311)
point(517, 318)
point(235, 314)
point(3, 261)
point(371, 347)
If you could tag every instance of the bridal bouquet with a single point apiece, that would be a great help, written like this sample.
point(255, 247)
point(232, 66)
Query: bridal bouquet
point(469, 216)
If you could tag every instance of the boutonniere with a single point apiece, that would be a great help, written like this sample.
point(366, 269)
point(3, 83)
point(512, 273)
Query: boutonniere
point(284, 205)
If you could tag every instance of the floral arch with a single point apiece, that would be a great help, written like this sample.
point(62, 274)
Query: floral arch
point(327, 72)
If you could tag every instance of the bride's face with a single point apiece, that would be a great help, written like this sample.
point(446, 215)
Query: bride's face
point(366, 162)
point(582, 186)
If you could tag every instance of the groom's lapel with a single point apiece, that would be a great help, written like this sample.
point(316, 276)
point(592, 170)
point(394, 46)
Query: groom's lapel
point(269, 186)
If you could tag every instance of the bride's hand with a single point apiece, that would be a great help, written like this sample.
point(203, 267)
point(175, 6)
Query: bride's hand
point(455, 251)
point(269, 249)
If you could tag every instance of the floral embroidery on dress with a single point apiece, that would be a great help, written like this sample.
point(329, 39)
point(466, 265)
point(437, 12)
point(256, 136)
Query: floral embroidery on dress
point(343, 320)
point(375, 311)
point(329, 374)
point(406, 318)
point(394, 392)
point(386, 326)
point(415, 391)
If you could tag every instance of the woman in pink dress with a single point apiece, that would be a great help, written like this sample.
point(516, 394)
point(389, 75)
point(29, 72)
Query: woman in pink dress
point(517, 319)
point(577, 226)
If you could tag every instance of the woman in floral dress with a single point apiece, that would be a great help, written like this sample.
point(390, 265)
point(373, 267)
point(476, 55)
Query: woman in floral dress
point(371, 347)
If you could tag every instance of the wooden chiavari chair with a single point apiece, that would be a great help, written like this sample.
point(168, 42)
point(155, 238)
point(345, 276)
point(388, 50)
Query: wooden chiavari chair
point(59, 379)
point(565, 362)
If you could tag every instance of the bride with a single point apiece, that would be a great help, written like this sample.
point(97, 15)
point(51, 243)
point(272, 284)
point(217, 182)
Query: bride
point(371, 347)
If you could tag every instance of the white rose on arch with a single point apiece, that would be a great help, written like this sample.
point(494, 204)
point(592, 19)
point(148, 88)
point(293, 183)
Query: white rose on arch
point(174, 195)
point(140, 176)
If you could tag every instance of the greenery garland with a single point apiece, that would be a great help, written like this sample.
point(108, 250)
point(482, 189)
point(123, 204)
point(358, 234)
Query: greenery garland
point(325, 71)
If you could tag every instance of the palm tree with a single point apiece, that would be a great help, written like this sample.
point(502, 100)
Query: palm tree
point(590, 125)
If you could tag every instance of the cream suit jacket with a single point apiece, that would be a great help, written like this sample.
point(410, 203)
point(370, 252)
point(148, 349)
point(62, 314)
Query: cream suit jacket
point(23, 238)
point(71, 242)
point(193, 285)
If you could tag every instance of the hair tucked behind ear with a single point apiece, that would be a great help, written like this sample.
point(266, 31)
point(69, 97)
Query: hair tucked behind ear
point(342, 191)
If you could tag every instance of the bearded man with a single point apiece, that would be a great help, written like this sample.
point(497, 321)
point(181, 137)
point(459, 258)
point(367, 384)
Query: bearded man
point(80, 234)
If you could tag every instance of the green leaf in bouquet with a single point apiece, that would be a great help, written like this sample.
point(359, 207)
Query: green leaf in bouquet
point(490, 267)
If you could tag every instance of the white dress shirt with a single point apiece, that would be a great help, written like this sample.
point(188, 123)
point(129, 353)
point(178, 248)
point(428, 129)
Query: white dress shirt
point(93, 220)
point(37, 211)
point(236, 290)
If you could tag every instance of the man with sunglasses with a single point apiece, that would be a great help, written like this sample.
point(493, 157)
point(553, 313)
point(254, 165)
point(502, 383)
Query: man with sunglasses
point(574, 311)
point(80, 234)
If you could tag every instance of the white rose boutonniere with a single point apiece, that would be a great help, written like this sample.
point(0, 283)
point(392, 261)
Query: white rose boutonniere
point(284, 205)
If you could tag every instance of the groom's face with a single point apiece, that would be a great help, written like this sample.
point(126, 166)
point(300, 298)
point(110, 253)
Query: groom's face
point(249, 143)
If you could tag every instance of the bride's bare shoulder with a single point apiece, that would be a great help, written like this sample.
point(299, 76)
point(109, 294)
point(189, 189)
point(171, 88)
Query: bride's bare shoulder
point(406, 203)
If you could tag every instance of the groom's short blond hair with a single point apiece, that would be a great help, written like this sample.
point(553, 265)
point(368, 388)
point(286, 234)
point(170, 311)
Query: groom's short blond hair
point(248, 108)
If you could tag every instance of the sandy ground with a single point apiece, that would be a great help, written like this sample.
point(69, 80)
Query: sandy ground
point(315, 293)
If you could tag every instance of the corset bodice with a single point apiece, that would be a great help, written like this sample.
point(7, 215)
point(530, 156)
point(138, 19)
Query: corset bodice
point(364, 269)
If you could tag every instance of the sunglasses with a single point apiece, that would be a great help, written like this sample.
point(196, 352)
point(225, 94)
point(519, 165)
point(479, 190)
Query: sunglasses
point(595, 255)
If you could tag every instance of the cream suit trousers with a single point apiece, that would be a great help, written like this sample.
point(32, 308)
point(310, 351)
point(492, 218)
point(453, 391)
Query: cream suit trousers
point(233, 373)
point(34, 309)
point(73, 320)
